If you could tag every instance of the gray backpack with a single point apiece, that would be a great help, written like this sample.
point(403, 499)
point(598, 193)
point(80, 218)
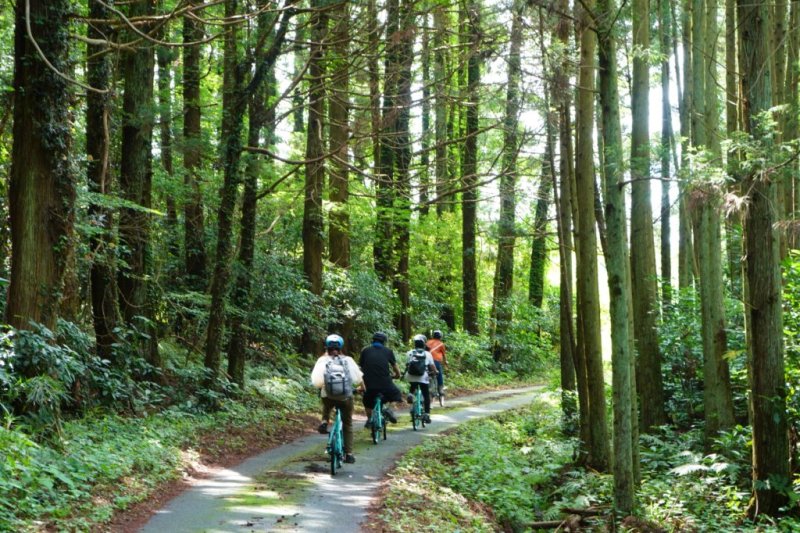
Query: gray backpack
point(338, 383)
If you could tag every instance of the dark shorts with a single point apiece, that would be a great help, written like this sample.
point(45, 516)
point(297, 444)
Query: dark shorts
point(389, 395)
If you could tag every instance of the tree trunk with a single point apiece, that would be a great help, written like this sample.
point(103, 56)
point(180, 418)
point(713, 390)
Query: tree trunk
point(425, 140)
point(442, 82)
point(98, 138)
point(382, 245)
point(504, 270)
point(313, 222)
point(588, 293)
point(402, 159)
point(770, 432)
point(685, 271)
point(42, 186)
point(643, 261)
point(733, 224)
point(259, 117)
point(136, 175)
point(339, 230)
point(194, 231)
point(469, 178)
point(616, 265)
point(166, 56)
point(568, 351)
point(665, 31)
point(717, 397)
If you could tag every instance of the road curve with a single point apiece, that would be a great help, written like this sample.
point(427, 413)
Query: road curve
point(290, 489)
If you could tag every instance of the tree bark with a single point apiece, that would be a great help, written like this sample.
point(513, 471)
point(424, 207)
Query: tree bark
point(469, 178)
point(588, 293)
point(665, 32)
point(194, 230)
point(385, 186)
point(504, 268)
point(313, 221)
point(402, 159)
point(165, 57)
point(339, 230)
point(136, 176)
point(42, 187)
point(261, 114)
point(98, 139)
point(643, 262)
point(770, 432)
point(616, 264)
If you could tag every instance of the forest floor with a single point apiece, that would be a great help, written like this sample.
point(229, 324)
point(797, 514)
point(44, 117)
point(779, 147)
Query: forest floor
point(289, 488)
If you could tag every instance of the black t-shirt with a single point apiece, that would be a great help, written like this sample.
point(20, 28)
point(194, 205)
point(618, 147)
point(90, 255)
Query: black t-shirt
point(375, 362)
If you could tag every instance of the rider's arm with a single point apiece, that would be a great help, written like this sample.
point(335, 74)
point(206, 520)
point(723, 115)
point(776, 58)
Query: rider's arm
point(396, 370)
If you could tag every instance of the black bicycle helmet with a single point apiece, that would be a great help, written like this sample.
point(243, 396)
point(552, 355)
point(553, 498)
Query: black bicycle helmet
point(380, 337)
point(437, 334)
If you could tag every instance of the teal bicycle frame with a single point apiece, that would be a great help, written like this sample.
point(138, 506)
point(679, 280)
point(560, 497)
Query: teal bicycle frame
point(335, 447)
point(417, 409)
point(377, 419)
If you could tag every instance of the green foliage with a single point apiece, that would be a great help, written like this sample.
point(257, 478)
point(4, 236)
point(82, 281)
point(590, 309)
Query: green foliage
point(106, 462)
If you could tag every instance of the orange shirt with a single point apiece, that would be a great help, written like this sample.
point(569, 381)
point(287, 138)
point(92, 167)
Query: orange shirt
point(437, 349)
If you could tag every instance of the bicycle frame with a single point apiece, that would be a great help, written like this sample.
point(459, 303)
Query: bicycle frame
point(417, 409)
point(335, 447)
point(377, 419)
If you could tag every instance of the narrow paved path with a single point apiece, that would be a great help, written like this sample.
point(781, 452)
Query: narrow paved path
point(290, 488)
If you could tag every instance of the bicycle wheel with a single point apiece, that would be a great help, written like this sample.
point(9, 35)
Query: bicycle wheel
point(441, 398)
point(414, 419)
point(384, 431)
point(375, 430)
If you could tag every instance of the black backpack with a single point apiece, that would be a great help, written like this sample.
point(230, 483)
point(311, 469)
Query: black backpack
point(417, 367)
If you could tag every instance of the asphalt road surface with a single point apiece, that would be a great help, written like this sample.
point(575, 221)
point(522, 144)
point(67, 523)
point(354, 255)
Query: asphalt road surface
point(290, 488)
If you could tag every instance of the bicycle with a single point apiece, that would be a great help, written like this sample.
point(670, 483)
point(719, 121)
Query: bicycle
point(377, 420)
point(335, 448)
point(437, 392)
point(417, 409)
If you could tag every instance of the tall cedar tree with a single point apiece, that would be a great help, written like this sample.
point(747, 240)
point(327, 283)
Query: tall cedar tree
point(385, 186)
point(469, 168)
point(685, 262)
point(313, 221)
point(664, 34)
point(616, 262)
point(402, 160)
point(563, 192)
point(261, 114)
point(42, 186)
point(596, 431)
point(194, 242)
point(339, 110)
point(103, 286)
point(767, 381)
point(504, 269)
point(643, 260)
point(135, 179)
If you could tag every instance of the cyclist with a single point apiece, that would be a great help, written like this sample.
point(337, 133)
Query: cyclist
point(420, 379)
point(334, 358)
point(379, 365)
point(439, 352)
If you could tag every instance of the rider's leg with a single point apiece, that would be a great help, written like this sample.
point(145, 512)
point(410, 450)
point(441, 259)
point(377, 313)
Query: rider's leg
point(439, 375)
point(347, 422)
point(426, 396)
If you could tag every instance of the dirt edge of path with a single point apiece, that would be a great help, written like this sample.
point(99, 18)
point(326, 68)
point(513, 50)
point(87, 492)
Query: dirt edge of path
point(212, 460)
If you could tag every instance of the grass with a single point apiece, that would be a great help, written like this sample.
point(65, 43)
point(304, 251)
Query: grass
point(517, 468)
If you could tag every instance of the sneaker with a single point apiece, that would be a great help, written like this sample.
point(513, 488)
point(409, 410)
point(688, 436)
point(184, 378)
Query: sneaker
point(444, 388)
point(390, 416)
point(427, 418)
point(323, 428)
point(410, 398)
point(349, 458)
